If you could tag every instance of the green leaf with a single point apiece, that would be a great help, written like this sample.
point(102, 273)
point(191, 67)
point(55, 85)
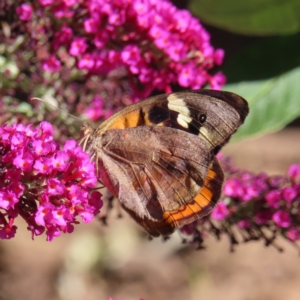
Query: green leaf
point(273, 103)
point(264, 59)
point(251, 17)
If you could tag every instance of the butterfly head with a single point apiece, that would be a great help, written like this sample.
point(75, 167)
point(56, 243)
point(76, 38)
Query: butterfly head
point(85, 136)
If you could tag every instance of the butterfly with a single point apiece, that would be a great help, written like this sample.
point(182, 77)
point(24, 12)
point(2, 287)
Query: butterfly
point(158, 156)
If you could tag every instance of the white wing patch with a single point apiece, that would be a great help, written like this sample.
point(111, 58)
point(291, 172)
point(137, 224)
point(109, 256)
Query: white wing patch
point(178, 105)
point(184, 121)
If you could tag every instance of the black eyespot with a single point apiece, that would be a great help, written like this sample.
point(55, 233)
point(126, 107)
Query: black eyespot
point(202, 118)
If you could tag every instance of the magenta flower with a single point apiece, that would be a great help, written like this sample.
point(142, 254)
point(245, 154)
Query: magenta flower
point(231, 187)
point(220, 212)
point(8, 199)
point(293, 234)
point(38, 182)
point(219, 56)
point(186, 75)
point(46, 2)
point(289, 193)
point(131, 55)
point(217, 81)
point(78, 46)
point(52, 65)
point(294, 171)
point(91, 25)
point(25, 12)
point(23, 160)
point(282, 219)
point(70, 3)
point(248, 191)
point(273, 198)
point(87, 61)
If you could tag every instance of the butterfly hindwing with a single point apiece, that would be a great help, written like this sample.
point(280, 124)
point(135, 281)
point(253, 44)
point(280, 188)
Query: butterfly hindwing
point(160, 167)
point(194, 209)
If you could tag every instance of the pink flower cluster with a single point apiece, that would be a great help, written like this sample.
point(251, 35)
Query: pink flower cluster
point(275, 200)
point(151, 42)
point(253, 202)
point(46, 186)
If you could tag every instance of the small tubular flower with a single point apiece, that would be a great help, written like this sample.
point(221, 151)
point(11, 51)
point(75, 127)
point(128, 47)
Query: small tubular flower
point(38, 182)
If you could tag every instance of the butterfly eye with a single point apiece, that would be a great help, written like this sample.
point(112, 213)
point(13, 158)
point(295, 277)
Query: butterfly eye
point(202, 118)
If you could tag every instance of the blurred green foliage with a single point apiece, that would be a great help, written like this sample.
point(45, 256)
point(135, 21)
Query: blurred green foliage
point(266, 58)
point(273, 103)
point(250, 17)
point(267, 74)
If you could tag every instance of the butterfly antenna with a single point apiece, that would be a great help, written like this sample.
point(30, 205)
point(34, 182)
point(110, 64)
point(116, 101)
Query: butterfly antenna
point(57, 108)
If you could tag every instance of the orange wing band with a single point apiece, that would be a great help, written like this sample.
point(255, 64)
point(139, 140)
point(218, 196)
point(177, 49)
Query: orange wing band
point(203, 203)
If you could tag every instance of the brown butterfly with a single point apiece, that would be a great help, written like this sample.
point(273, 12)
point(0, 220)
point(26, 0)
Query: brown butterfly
point(158, 156)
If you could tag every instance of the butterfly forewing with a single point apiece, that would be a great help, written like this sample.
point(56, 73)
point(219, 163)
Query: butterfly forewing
point(224, 112)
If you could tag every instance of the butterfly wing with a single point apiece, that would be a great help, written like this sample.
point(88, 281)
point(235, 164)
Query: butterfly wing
point(203, 203)
point(157, 156)
point(194, 209)
point(161, 176)
point(152, 169)
point(212, 115)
